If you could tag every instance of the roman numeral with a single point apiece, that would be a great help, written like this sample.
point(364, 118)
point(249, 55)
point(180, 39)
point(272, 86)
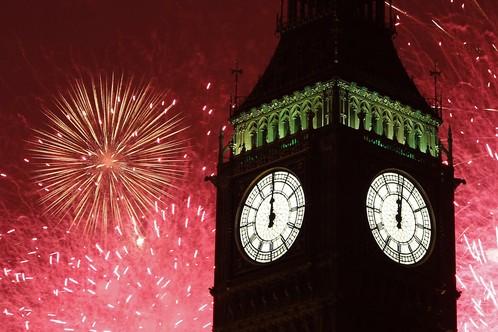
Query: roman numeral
point(421, 226)
point(291, 225)
point(295, 208)
point(251, 207)
point(249, 224)
point(283, 240)
point(417, 239)
point(387, 242)
point(419, 209)
point(376, 210)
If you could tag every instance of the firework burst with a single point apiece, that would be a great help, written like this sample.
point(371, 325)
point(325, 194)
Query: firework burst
point(461, 36)
point(54, 280)
point(110, 153)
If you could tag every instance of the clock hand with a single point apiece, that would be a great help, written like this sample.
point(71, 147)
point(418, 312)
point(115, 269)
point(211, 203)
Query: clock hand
point(400, 202)
point(272, 200)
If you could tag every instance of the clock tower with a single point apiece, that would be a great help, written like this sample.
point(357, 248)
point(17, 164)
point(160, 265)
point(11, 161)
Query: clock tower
point(335, 197)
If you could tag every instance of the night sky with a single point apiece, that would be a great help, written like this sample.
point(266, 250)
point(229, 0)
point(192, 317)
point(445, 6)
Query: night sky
point(188, 48)
point(180, 45)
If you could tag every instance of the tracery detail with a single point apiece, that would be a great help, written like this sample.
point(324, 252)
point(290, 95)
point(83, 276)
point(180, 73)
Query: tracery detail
point(357, 108)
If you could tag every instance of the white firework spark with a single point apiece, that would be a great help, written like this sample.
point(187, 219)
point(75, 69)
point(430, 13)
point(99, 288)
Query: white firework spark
point(111, 151)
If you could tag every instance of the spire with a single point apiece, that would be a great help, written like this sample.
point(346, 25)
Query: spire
point(234, 101)
point(438, 102)
point(321, 40)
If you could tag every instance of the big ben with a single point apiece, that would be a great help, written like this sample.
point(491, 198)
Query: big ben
point(335, 197)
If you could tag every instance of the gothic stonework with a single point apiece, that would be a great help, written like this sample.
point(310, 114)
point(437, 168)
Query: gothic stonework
point(335, 208)
point(359, 108)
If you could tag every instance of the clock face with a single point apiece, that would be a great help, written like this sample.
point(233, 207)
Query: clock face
point(271, 216)
point(399, 216)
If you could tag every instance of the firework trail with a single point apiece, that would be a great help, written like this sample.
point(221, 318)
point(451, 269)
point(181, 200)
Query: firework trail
point(54, 280)
point(457, 34)
point(158, 279)
point(110, 153)
point(461, 37)
point(155, 277)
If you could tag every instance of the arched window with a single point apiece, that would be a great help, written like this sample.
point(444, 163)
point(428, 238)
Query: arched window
point(318, 109)
point(385, 127)
point(417, 139)
point(409, 134)
point(398, 129)
point(367, 115)
point(376, 122)
point(305, 110)
point(296, 123)
point(387, 124)
point(327, 108)
point(284, 128)
point(264, 135)
point(262, 132)
point(420, 140)
point(353, 109)
point(296, 119)
point(284, 124)
point(273, 130)
point(252, 139)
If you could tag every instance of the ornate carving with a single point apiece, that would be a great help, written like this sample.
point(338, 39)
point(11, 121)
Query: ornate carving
point(358, 108)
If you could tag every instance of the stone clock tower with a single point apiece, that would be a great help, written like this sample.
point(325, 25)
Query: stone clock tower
point(335, 199)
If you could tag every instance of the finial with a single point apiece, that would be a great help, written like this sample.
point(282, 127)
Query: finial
point(438, 104)
point(235, 102)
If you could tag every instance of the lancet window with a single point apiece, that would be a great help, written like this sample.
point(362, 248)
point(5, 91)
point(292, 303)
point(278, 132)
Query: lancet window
point(358, 108)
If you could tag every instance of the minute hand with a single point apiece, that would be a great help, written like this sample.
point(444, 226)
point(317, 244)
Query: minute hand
point(272, 200)
point(400, 202)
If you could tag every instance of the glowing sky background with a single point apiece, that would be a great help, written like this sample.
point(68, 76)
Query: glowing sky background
point(51, 279)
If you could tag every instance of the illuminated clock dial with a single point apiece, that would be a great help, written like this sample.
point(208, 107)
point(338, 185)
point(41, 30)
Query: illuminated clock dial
point(271, 216)
point(399, 216)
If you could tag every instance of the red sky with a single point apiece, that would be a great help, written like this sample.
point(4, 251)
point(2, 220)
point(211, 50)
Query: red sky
point(185, 44)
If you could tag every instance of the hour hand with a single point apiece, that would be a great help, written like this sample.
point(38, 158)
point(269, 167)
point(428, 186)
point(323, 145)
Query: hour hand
point(272, 200)
point(272, 213)
point(398, 215)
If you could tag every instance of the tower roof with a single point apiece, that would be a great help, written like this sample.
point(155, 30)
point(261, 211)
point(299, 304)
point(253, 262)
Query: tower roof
point(321, 40)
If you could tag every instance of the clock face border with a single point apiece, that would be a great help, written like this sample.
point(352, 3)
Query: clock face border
point(256, 240)
point(408, 241)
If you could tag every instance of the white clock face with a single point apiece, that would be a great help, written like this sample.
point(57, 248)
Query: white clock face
point(271, 216)
point(399, 217)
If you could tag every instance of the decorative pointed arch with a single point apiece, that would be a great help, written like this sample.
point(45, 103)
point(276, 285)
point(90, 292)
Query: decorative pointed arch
point(296, 120)
point(306, 109)
point(251, 138)
point(366, 110)
point(409, 133)
point(375, 117)
point(317, 106)
point(398, 129)
point(262, 131)
point(353, 111)
point(284, 123)
point(273, 128)
point(420, 140)
point(387, 123)
point(341, 103)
